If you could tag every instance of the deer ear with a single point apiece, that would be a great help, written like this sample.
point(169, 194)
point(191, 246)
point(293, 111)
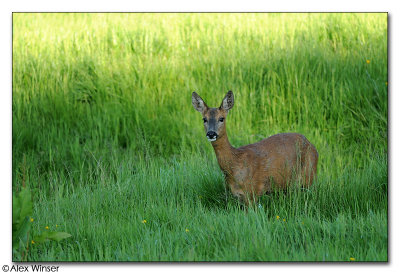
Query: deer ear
point(227, 102)
point(198, 103)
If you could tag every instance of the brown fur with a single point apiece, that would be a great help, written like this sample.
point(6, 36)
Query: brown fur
point(255, 169)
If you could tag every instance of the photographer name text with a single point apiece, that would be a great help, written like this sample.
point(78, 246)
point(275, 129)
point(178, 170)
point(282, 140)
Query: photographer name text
point(30, 268)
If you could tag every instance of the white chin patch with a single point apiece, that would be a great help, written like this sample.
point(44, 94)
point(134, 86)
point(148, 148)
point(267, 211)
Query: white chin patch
point(211, 140)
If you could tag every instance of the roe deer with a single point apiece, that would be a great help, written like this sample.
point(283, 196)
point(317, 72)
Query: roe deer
point(255, 169)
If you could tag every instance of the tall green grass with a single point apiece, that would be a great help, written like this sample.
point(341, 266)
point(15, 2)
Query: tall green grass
point(105, 134)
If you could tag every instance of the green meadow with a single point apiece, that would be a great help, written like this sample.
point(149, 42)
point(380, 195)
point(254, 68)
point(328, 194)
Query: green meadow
point(106, 138)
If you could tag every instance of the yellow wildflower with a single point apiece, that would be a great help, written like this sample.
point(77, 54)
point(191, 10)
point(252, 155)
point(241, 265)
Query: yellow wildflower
point(277, 217)
point(352, 259)
point(187, 230)
point(47, 227)
point(144, 221)
point(56, 225)
point(284, 220)
point(32, 242)
point(32, 220)
point(368, 61)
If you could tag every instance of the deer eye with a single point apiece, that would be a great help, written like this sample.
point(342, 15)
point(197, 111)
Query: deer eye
point(205, 120)
point(221, 119)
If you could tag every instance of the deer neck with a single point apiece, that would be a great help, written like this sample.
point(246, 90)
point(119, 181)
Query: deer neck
point(224, 152)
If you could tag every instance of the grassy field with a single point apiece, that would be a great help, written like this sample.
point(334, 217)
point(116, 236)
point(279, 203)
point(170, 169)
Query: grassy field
point(106, 138)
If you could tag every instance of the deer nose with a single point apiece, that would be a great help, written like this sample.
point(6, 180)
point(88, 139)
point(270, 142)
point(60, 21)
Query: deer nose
point(212, 135)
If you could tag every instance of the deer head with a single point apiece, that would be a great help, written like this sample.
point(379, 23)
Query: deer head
point(213, 118)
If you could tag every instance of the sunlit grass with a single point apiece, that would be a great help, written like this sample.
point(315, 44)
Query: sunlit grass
point(105, 134)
